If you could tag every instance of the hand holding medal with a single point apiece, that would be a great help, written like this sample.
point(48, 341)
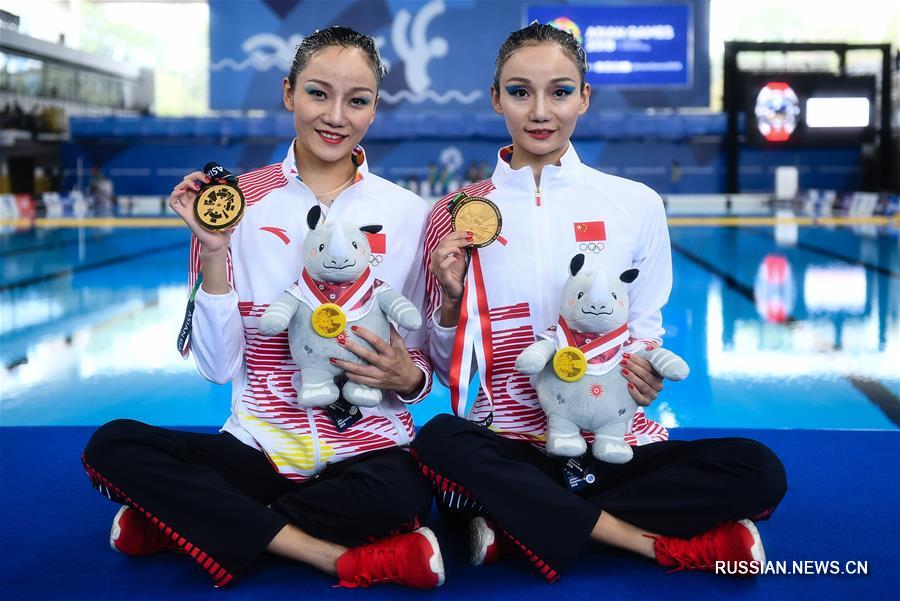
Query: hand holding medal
point(224, 206)
point(475, 223)
point(477, 215)
point(482, 218)
point(220, 203)
point(185, 201)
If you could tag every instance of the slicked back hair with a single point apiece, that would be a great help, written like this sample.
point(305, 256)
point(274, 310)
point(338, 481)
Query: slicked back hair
point(538, 33)
point(336, 36)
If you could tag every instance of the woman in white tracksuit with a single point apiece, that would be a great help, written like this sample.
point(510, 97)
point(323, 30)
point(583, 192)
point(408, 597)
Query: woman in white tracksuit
point(684, 504)
point(314, 485)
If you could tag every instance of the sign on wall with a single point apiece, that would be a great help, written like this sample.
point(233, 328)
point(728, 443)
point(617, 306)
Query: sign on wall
point(629, 46)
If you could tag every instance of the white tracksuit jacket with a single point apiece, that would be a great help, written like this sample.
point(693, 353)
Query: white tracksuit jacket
point(265, 258)
point(618, 223)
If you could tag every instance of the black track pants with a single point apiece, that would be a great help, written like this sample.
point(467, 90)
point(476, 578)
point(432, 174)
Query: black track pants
point(675, 488)
point(212, 494)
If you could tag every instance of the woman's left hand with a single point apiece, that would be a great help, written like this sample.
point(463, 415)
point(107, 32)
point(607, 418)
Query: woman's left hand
point(644, 383)
point(389, 365)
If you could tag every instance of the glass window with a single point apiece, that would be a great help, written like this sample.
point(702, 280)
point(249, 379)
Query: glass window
point(47, 79)
point(21, 75)
point(59, 82)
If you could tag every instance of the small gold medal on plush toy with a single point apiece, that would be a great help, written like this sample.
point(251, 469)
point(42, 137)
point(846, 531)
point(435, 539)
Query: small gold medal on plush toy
point(220, 203)
point(479, 216)
point(328, 320)
point(570, 364)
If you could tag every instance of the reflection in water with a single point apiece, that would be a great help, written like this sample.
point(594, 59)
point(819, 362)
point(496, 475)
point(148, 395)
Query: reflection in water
point(775, 290)
point(828, 346)
point(132, 336)
point(835, 289)
point(666, 415)
point(28, 312)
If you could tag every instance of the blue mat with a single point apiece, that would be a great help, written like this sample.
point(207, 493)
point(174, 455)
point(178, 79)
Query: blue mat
point(842, 503)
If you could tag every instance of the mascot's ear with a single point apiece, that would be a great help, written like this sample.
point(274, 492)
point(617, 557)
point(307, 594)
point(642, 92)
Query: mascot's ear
point(576, 264)
point(370, 229)
point(312, 218)
point(629, 275)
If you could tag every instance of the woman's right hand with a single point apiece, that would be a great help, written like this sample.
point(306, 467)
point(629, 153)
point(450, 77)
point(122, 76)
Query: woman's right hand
point(448, 264)
point(182, 200)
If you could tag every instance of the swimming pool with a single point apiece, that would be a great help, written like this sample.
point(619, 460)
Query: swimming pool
point(803, 335)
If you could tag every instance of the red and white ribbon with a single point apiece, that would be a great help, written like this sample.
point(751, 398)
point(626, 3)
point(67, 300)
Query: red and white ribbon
point(473, 334)
point(353, 302)
point(596, 347)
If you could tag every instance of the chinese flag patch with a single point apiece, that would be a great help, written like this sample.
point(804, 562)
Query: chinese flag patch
point(377, 242)
point(590, 231)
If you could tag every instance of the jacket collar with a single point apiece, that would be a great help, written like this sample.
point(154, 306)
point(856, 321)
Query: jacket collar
point(522, 179)
point(292, 174)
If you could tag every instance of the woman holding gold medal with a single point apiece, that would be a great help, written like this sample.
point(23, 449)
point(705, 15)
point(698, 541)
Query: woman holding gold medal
point(499, 254)
point(313, 485)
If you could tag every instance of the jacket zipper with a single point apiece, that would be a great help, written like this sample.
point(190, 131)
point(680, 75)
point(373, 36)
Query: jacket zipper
point(327, 209)
point(541, 256)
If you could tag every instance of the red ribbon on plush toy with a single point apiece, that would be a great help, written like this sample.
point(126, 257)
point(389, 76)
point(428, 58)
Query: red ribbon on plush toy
point(596, 347)
point(355, 301)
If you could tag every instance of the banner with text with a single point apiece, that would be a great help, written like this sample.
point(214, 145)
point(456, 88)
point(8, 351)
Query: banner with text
point(629, 46)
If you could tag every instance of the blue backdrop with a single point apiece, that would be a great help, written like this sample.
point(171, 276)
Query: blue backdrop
point(441, 53)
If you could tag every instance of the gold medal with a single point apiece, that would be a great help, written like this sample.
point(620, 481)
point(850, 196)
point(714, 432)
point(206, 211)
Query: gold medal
point(479, 216)
point(570, 364)
point(328, 320)
point(219, 205)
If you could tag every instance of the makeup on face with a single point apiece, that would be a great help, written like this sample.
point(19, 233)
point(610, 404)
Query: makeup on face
point(540, 99)
point(334, 103)
point(556, 89)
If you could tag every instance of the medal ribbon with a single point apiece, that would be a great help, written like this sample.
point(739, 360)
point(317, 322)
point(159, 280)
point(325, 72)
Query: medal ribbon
point(595, 347)
point(184, 334)
point(215, 171)
point(314, 297)
point(473, 333)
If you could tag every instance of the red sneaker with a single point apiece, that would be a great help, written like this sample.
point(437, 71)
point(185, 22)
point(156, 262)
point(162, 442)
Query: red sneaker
point(133, 534)
point(487, 544)
point(728, 542)
point(412, 559)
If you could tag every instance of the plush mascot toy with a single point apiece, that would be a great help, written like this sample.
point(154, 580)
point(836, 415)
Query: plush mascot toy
point(577, 382)
point(335, 290)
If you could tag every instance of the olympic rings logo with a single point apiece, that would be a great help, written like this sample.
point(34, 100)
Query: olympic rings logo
point(376, 260)
point(594, 247)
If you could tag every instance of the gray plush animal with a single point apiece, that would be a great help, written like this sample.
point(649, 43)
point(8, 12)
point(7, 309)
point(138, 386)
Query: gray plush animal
point(336, 258)
point(593, 315)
